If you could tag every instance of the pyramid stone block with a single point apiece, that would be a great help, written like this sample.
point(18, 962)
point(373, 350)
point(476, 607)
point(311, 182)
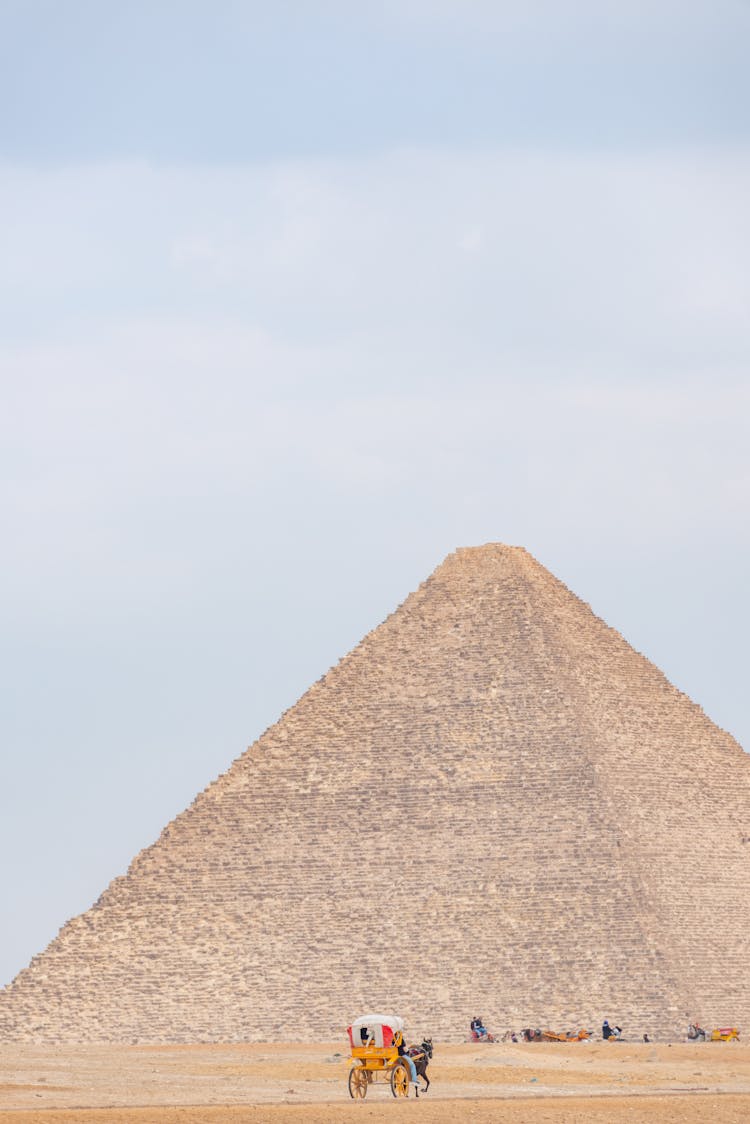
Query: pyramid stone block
point(492, 804)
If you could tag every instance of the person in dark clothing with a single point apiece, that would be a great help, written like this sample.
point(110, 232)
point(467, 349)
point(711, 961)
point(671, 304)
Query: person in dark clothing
point(398, 1042)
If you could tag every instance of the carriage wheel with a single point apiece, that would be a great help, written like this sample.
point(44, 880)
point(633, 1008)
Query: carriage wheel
point(358, 1083)
point(400, 1080)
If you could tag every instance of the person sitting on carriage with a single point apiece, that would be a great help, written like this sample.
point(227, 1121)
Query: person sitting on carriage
point(478, 1030)
point(398, 1042)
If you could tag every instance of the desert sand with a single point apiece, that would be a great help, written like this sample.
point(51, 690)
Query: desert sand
point(252, 1084)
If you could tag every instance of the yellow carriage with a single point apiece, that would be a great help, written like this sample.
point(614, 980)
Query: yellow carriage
point(375, 1055)
point(725, 1034)
point(566, 1036)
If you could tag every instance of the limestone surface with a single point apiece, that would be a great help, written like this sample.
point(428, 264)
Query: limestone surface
point(493, 805)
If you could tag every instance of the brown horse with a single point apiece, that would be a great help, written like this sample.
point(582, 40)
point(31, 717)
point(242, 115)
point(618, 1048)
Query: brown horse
point(421, 1056)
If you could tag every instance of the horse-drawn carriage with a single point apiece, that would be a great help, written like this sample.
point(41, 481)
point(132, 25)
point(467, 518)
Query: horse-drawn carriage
point(718, 1034)
point(378, 1054)
point(582, 1035)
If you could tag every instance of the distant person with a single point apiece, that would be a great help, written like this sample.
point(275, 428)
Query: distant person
point(479, 1030)
point(610, 1031)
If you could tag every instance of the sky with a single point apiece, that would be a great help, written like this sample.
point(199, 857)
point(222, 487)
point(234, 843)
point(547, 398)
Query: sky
point(295, 299)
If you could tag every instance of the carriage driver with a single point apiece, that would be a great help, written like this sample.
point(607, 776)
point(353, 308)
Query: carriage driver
point(398, 1042)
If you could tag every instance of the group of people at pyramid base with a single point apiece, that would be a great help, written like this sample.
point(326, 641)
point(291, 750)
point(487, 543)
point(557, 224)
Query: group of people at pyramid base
point(610, 1033)
point(480, 1033)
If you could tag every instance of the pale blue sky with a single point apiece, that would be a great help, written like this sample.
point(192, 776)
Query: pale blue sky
point(296, 298)
point(244, 81)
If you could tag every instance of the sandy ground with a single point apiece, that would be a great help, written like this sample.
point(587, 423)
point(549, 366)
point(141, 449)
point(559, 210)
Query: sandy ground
point(534, 1083)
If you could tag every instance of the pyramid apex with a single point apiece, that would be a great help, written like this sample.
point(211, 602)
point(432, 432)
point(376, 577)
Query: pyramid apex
point(489, 556)
point(489, 549)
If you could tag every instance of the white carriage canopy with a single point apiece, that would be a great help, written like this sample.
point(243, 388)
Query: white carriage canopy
point(374, 1030)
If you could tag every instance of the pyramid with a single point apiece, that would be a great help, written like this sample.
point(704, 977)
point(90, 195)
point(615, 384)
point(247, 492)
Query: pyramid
point(492, 804)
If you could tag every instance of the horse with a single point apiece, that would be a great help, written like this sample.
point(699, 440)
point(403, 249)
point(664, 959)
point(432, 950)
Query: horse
point(421, 1056)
